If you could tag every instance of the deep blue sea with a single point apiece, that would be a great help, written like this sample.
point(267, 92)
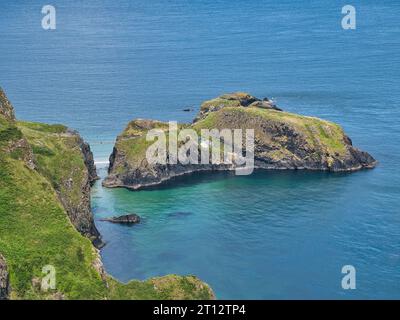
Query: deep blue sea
point(268, 235)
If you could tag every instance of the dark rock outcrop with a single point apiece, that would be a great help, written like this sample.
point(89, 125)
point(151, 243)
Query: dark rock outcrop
point(89, 161)
point(4, 279)
point(282, 141)
point(6, 109)
point(264, 104)
point(22, 150)
point(80, 212)
point(125, 219)
point(238, 99)
point(12, 140)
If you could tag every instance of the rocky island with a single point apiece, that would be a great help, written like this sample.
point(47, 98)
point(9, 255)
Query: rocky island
point(282, 140)
point(46, 172)
point(127, 219)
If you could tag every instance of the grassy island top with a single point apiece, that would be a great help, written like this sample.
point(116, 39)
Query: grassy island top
point(243, 111)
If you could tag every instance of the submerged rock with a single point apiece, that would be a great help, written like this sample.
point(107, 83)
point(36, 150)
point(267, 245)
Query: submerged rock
point(125, 219)
point(283, 140)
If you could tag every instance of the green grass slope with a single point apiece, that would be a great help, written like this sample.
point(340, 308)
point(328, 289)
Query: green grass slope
point(35, 230)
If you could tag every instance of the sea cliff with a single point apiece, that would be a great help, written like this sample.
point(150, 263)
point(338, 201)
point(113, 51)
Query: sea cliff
point(46, 221)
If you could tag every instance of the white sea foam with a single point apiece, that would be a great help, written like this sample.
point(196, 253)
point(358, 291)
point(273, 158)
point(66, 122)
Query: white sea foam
point(101, 162)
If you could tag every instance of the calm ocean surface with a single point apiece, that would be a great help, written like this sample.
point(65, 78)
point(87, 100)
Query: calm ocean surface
point(269, 235)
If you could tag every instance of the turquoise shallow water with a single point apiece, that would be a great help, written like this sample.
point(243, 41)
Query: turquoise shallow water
point(269, 235)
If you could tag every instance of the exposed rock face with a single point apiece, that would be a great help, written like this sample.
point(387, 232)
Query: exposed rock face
point(99, 266)
point(282, 141)
point(4, 279)
point(6, 108)
point(71, 172)
point(89, 161)
point(22, 150)
point(80, 212)
point(265, 104)
point(12, 140)
point(125, 219)
point(32, 143)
